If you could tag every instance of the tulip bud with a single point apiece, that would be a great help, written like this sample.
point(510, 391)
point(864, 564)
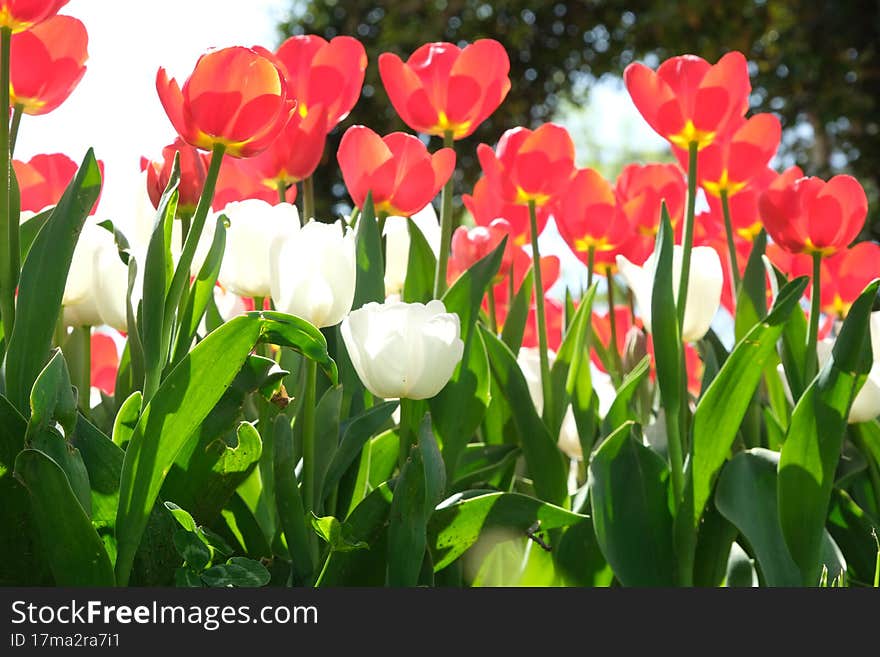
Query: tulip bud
point(635, 348)
point(403, 350)
point(253, 227)
point(313, 272)
point(704, 290)
point(97, 282)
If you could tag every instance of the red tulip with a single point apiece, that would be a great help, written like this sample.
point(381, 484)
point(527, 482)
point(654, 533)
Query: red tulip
point(46, 64)
point(844, 275)
point(486, 205)
point(325, 73)
point(397, 169)
point(529, 166)
point(810, 215)
point(587, 217)
point(297, 151)
point(104, 362)
point(472, 244)
point(522, 263)
point(729, 163)
point(236, 97)
point(20, 15)
point(442, 88)
point(43, 179)
point(239, 181)
point(687, 100)
point(193, 168)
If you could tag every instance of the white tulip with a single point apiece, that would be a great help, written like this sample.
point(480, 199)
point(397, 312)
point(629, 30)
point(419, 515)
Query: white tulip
point(313, 272)
point(403, 350)
point(396, 234)
point(569, 439)
point(866, 405)
point(253, 227)
point(97, 282)
point(704, 287)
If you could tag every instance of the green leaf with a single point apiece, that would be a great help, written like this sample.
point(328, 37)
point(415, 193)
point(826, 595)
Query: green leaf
point(131, 377)
point(370, 283)
point(544, 460)
point(331, 531)
point(483, 464)
point(72, 547)
point(457, 524)
point(238, 572)
point(202, 291)
point(29, 230)
point(740, 569)
point(182, 516)
point(376, 463)
point(793, 350)
point(126, 419)
point(724, 404)
point(746, 496)
point(579, 558)
point(420, 267)
point(629, 497)
point(327, 414)
point(518, 314)
point(620, 410)
point(195, 553)
point(812, 446)
point(155, 327)
point(355, 433)
point(751, 302)
point(183, 401)
point(289, 502)
point(41, 286)
point(418, 490)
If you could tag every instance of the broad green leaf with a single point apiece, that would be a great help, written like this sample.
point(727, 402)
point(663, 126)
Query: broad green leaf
point(746, 496)
point(751, 302)
point(29, 230)
point(712, 554)
point(483, 464)
point(127, 419)
point(579, 558)
point(155, 325)
point(740, 569)
point(289, 502)
point(620, 410)
point(333, 533)
point(244, 529)
point(722, 408)
point(182, 516)
point(544, 460)
point(518, 313)
point(41, 286)
point(418, 490)
point(75, 552)
point(237, 572)
point(377, 461)
point(811, 450)
point(327, 414)
point(202, 291)
point(420, 268)
point(457, 524)
point(629, 498)
point(355, 433)
point(370, 284)
point(792, 350)
point(194, 552)
point(183, 401)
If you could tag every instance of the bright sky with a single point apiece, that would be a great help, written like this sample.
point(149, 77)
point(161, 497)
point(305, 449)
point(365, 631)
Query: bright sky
point(115, 107)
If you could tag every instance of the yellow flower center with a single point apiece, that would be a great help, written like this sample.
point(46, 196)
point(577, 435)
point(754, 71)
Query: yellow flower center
point(689, 134)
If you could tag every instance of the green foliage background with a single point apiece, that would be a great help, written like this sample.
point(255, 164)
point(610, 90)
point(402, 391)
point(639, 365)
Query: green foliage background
point(815, 64)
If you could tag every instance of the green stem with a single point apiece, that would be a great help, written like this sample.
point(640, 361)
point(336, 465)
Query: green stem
point(493, 311)
point(9, 267)
point(405, 432)
point(308, 435)
point(812, 365)
point(612, 319)
point(731, 245)
point(84, 381)
point(282, 193)
point(380, 220)
point(355, 213)
point(539, 308)
point(308, 200)
point(591, 265)
point(259, 302)
point(688, 238)
point(445, 228)
point(185, 222)
point(17, 111)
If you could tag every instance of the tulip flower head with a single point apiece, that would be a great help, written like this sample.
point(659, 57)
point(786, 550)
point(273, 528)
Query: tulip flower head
point(46, 64)
point(529, 166)
point(397, 169)
point(20, 15)
point(312, 272)
point(104, 358)
point(235, 97)
point(687, 100)
point(254, 225)
point(403, 350)
point(810, 215)
point(43, 179)
point(444, 89)
point(324, 76)
point(469, 245)
point(486, 205)
point(587, 216)
point(240, 180)
point(296, 153)
point(96, 290)
point(703, 295)
point(193, 168)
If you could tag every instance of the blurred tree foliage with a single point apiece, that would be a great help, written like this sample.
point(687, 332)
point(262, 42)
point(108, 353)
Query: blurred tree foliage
point(813, 62)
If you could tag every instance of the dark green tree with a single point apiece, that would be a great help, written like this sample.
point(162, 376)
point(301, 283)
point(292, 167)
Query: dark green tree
point(814, 63)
